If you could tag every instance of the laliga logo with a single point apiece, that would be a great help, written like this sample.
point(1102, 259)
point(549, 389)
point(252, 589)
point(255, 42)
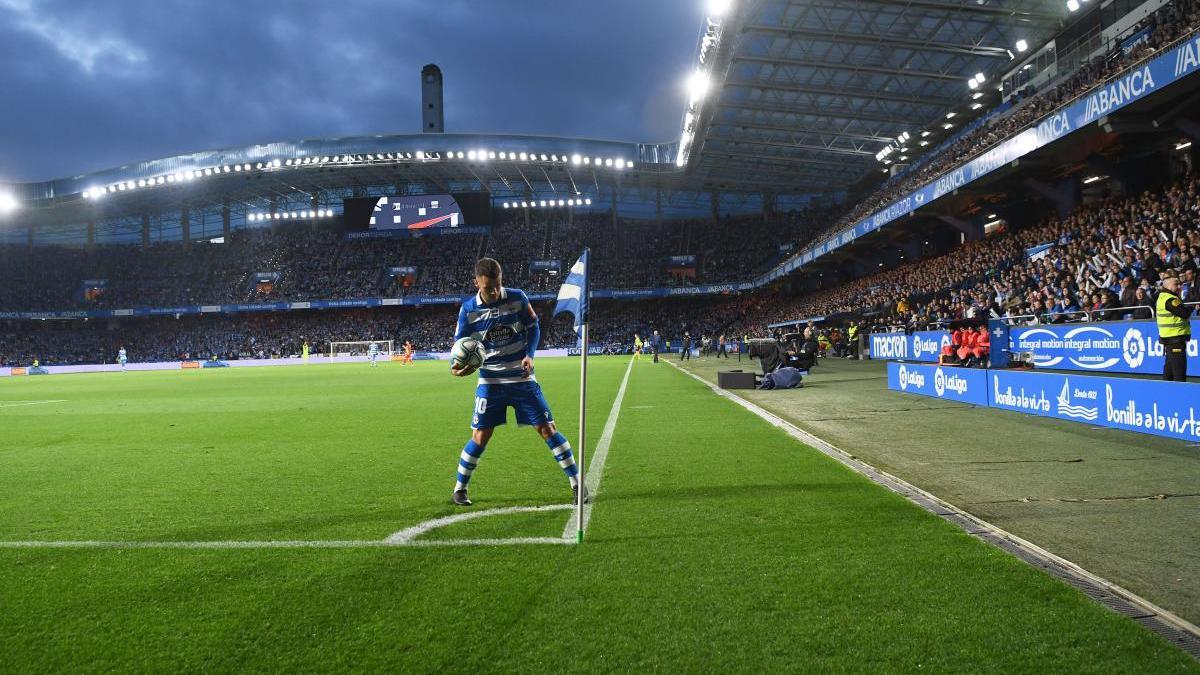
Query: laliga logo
point(954, 383)
point(906, 378)
point(920, 346)
point(1133, 348)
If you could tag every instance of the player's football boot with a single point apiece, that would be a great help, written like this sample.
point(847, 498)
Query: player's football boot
point(460, 497)
point(587, 498)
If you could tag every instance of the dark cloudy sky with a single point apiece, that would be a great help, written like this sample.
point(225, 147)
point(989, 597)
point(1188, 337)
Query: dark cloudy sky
point(92, 85)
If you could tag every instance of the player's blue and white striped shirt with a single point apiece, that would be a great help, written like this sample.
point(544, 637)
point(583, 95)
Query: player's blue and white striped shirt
point(373, 350)
point(508, 330)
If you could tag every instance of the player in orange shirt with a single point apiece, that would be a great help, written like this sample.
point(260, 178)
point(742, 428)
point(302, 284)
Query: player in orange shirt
point(407, 359)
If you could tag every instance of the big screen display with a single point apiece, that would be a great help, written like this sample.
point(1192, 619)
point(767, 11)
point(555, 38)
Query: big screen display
point(417, 212)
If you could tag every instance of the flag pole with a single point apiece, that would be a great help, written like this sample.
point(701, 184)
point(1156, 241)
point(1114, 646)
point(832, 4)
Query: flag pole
point(583, 405)
point(581, 492)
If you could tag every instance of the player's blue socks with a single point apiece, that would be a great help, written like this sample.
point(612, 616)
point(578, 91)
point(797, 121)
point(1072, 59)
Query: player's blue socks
point(561, 449)
point(467, 461)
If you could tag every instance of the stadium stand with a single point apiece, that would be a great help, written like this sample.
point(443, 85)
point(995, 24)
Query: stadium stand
point(320, 264)
point(1105, 260)
point(1168, 24)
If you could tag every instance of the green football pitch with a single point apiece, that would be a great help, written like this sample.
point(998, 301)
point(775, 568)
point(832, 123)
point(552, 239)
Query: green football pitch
point(236, 520)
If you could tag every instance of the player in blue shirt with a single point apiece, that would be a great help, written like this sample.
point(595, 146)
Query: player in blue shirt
point(373, 353)
point(122, 358)
point(504, 322)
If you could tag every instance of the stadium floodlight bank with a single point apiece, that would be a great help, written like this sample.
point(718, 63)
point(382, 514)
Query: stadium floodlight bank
point(359, 348)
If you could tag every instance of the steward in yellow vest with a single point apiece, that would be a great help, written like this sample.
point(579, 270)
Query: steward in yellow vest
point(1174, 330)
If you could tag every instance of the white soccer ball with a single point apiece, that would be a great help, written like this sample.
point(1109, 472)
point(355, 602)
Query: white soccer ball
point(467, 352)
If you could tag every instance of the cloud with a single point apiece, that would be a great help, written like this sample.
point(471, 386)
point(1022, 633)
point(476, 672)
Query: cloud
point(77, 44)
point(103, 84)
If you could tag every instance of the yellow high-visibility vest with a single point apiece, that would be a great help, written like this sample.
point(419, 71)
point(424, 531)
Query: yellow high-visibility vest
point(1169, 325)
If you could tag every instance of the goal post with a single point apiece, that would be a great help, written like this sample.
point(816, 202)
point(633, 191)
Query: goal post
point(359, 348)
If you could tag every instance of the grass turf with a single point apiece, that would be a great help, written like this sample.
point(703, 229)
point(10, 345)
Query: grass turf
point(717, 543)
point(1121, 504)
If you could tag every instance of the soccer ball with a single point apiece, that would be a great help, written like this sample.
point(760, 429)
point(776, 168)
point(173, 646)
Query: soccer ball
point(467, 352)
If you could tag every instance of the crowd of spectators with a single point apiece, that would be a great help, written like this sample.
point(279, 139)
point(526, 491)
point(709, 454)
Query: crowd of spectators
point(315, 264)
point(1103, 263)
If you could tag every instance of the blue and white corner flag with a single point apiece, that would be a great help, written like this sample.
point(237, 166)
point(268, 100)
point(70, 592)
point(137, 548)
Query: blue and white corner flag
point(573, 296)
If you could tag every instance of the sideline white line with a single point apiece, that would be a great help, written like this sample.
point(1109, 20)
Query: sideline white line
point(411, 533)
point(909, 491)
point(595, 468)
point(425, 543)
point(13, 404)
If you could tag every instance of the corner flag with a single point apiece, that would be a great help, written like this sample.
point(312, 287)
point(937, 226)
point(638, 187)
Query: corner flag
point(573, 298)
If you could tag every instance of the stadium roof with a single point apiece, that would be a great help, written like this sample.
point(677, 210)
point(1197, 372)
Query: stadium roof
point(506, 166)
point(800, 95)
point(793, 97)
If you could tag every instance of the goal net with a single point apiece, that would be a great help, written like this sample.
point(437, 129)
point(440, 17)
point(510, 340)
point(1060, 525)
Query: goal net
point(359, 348)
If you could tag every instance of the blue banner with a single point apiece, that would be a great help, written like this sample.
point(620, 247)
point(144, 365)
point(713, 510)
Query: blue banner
point(965, 385)
point(1106, 347)
point(408, 301)
point(1170, 409)
point(1130, 43)
point(1147, 406)
point(1138, 83)
point(681, 261)
point(593, 350)
point(406, 271)
point(923, 346)
point(1000, 335)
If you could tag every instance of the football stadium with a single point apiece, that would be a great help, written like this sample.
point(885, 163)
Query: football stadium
point(884, 359)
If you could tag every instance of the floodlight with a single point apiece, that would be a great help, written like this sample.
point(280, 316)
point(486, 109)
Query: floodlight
point(718, 8)
point(697, 85)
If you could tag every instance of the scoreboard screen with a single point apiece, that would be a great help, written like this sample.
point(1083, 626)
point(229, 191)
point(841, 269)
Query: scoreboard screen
point(418, 212)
